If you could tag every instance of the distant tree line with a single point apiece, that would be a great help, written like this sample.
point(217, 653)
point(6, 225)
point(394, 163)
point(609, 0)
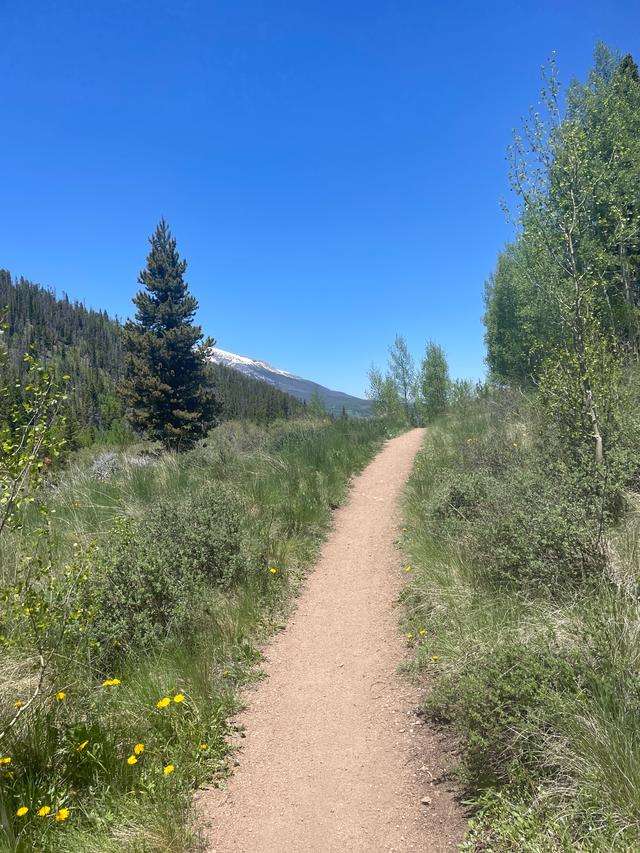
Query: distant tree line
point(405, 395)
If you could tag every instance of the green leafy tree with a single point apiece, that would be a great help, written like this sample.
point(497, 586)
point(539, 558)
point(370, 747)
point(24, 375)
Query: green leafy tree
point(563, 306)
point(316, 407)
point(166, 390)
point(402, 371)
point(31, 426)
point(434, 383)
point(385, 397)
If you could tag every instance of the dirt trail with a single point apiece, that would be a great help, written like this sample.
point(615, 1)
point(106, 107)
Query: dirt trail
point(335, 760)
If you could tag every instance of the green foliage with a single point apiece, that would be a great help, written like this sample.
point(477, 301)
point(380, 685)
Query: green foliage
point(531, 626)
point(402, 372)
point(167, 572)
point(28, 442)
point(500, 703)
point(386, 400)
point(316, 407)
point(563, 305)
point(241, 397)
point(153, 576)
point(67, 339)
point(166, 389)
point(434, 384)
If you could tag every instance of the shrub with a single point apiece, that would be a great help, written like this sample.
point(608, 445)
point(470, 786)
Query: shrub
point(155, 571)
point(534, 532)
point(501, 703)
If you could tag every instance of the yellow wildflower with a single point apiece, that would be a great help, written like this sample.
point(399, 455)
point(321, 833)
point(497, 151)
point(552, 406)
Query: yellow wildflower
point(5, 760)
point(60, 695)
point(168, 769)
point(138, 748)
point(111, 682)
point(179, 697)
point(44, 811)
point(273, 570)
point(132, 760)
point(163, 702)
point(409, 636)
point(22, 811)
point(435, 657)
point(203, 746)
point(407, 568)
point(62, 814)
point(422, 632)
point(82, 745)
point(18, 703)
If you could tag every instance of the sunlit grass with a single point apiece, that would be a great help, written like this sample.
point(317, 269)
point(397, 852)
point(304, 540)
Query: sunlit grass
point(78, 752)
point(541, 689)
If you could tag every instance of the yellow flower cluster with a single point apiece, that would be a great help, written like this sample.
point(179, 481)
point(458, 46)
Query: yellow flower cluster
point(111, 682)
point(165, 701)
point(60, 816)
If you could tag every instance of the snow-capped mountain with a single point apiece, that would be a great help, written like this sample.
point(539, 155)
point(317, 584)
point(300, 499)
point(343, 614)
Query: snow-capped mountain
point(301, 388)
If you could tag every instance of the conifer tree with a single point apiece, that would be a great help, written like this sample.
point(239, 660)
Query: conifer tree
point(166, 391)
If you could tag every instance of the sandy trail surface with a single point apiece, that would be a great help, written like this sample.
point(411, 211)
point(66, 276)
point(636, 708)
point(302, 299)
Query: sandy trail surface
point(335, 757)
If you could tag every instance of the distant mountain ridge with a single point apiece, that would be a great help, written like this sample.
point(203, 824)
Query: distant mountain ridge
point(298, 387)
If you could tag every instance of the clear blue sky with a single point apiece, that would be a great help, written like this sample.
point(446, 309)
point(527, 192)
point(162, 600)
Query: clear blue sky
point(332, 170)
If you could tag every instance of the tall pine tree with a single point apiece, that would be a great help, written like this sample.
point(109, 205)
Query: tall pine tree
point(166, 390)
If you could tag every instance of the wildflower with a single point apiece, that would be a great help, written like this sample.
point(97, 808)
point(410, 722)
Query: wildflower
point(62, 814)
point(409, 636)
point(163, 702)
point(22, 811)
point(422, 632)
point(138, 748)
point(407, 568)
point(5, 760)
point(82, 745)
point(404, 529)
point(168, 769)
point(273, 570)
point(132, 760)
point(18, 703)
point(203, 746)
point(60, 695)
point(435, 657)
point(179, 697)
point(44, 811)
point(111, 682)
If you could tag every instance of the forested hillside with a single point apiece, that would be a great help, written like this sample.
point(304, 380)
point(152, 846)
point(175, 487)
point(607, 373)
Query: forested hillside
point(84, 344)
point(87, 346)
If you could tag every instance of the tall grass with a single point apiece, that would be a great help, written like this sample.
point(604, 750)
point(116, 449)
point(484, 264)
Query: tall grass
point(170, 681)
point(532, 664)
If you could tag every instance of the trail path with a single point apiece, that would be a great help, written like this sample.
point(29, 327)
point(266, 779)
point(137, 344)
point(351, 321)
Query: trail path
point(335, 759)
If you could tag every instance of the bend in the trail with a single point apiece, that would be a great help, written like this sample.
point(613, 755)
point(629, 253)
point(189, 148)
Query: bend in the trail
point(335, 759)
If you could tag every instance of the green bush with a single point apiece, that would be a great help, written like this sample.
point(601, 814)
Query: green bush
point(502, 703)
point(536, 532)
point(461, 497)
point(155, 571)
